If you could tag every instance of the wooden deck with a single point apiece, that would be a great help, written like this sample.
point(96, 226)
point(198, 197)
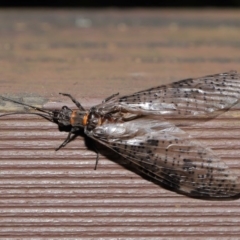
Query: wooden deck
point(92, 54)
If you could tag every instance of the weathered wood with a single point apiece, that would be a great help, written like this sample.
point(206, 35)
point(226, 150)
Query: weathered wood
point(93, 54)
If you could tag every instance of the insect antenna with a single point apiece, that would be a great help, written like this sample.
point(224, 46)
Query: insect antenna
point(49, 115)
point(39, 114)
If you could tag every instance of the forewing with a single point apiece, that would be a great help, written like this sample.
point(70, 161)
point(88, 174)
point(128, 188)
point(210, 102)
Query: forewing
point(194, 97)
point(170, 156)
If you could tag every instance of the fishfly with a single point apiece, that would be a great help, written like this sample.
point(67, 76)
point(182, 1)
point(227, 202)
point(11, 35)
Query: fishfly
point(136, 127)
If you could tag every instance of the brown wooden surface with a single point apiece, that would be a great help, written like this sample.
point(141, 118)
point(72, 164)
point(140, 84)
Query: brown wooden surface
point(92, 54)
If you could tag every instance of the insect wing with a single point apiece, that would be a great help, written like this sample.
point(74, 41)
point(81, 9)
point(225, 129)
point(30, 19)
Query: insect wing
point(203, 96)
point(170, 156)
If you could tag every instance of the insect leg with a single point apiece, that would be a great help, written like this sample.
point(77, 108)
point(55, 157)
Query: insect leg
point(65, 142)
point(95, 149)
point(97, 158)
point(110, 97)
point(74, 100)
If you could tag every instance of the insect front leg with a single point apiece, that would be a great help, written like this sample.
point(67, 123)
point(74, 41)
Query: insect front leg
point(71, 135)
point(74, 100)
point(66, 141)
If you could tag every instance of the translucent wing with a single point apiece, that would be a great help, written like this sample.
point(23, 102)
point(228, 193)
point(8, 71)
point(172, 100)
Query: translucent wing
point(170, 156)
point(203, 96)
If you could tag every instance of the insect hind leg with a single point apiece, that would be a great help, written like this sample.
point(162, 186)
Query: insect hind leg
point(74, 100)
point(110, 97)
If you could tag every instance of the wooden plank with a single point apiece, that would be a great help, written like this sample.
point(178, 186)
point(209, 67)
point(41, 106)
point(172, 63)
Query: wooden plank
point(93, 54)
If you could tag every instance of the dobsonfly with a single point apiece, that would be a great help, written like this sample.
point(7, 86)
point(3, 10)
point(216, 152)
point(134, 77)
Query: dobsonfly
point(136, 127)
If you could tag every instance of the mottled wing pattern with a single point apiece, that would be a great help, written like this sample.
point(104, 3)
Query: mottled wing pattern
point(192, 97)
point(170, 156)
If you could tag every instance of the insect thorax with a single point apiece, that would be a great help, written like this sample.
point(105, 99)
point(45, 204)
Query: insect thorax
point(95, 118)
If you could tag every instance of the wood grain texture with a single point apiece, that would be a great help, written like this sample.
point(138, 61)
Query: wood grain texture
point(93, 54)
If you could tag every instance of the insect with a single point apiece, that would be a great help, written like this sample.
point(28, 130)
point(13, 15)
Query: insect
point(136, 127)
